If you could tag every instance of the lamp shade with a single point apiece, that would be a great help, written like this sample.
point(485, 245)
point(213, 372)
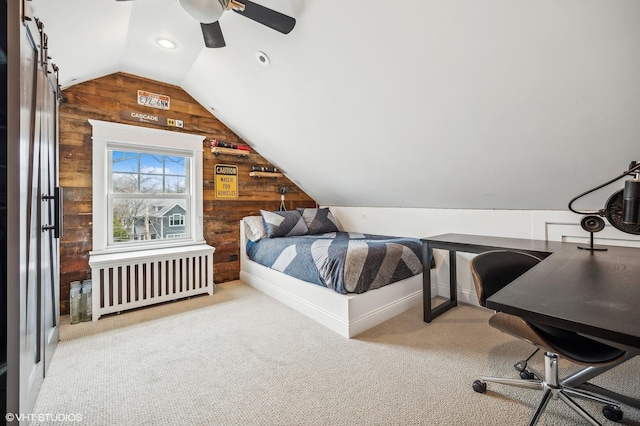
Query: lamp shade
point(613, 211)
point(631, 202)
point(622, 209)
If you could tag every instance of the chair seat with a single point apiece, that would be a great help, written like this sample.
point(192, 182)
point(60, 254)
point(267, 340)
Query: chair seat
point(567, 344)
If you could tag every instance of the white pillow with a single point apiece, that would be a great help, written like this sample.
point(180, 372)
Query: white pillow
point(254, 228)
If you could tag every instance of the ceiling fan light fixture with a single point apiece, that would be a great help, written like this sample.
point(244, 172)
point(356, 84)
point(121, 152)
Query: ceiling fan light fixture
point(204, 11)
point(166, 43)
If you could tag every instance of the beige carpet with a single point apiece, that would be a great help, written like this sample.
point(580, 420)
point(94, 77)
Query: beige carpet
point(241, 358)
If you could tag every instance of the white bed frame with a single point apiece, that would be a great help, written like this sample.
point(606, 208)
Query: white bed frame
point(346, 314)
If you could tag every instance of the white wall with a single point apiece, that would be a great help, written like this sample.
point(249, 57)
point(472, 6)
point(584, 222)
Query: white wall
point(552, 225)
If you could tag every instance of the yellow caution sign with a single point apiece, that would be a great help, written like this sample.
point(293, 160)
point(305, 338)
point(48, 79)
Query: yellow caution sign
point(226, 179)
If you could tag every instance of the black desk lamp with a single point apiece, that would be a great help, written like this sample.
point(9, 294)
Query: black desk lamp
point(622, 209)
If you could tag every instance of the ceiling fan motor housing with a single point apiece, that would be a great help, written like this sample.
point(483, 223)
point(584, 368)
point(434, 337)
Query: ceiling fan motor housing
point(208, 12)
point(204, 11)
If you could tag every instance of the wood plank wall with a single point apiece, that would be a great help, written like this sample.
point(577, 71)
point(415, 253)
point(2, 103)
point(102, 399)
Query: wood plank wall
point(104, 99)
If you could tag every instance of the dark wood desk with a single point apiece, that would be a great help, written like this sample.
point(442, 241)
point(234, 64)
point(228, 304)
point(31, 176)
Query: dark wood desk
point(470, 244)
point(593, 293)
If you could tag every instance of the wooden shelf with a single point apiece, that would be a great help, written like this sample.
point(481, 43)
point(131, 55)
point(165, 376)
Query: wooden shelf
point(217, 150)
point(265, 174)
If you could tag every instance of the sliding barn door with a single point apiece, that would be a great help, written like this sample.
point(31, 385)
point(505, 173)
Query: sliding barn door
point(31, 360)
point(33, 205)
point(50, 217)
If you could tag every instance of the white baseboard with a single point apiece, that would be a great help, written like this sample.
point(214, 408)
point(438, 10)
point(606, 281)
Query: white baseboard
point(347, 315)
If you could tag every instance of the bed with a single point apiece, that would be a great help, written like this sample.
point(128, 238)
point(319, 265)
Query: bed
point(348, 307)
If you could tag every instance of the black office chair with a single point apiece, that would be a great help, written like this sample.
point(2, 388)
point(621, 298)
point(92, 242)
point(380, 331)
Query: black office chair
point(492, 271)
point(488, 279)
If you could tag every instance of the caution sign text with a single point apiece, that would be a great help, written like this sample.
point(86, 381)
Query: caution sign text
point(226, 178)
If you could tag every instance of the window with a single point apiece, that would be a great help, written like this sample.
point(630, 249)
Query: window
point(176, 220)
point(147, 187)
point(176, 235)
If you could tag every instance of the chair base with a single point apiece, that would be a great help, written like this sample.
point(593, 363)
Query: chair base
point(580, 380)
point(553, 388)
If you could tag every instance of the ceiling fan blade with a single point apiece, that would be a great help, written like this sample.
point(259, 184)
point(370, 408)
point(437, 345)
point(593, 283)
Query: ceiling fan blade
point(212, 34)
point(268, 17)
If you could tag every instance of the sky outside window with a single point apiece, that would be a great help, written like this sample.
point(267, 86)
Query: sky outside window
point(148, 173)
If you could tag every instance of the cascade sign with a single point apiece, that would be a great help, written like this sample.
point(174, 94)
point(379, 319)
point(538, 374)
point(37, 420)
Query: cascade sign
point(144, 117)
point(226, 180)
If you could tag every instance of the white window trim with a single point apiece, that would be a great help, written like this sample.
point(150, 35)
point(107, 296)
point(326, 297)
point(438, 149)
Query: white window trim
point(105, 133)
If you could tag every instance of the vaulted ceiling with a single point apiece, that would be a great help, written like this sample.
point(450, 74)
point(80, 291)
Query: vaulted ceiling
point(419, 103)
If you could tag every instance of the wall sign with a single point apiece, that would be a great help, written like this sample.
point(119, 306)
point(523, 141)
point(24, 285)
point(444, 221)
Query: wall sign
point(226, 181)
point(153, 100)
point(143, 117)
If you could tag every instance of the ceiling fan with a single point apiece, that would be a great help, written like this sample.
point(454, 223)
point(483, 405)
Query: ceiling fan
point(208, 12)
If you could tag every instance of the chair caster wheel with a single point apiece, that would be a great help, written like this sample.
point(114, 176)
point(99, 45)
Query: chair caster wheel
point(520, 365)
point(613, 413)
point(480, 387)
point(527, 375)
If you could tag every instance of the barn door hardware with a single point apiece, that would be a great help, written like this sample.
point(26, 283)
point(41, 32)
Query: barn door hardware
point(57, 212)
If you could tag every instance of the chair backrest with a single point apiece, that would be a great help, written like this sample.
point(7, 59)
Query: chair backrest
point(492, 270)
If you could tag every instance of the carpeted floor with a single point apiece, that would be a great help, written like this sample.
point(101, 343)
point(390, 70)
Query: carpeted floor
point(241, 358)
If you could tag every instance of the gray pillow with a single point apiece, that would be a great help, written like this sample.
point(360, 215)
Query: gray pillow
point(319, 221)
point(283, 223)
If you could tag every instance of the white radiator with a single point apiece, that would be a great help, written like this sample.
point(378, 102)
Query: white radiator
point(129, 280)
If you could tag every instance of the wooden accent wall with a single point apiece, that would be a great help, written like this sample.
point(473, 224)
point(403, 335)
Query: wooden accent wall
point(104, 99)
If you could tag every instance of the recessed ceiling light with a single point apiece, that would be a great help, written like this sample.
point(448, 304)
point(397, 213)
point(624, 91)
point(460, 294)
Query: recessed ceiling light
point(263, 58)
point(166, 43)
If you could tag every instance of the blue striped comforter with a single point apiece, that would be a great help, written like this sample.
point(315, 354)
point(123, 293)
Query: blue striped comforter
point(346, 262)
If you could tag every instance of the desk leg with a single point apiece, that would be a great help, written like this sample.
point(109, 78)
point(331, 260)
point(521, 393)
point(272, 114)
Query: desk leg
point(429, 312)
point(426, 282)
point(453, 279)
